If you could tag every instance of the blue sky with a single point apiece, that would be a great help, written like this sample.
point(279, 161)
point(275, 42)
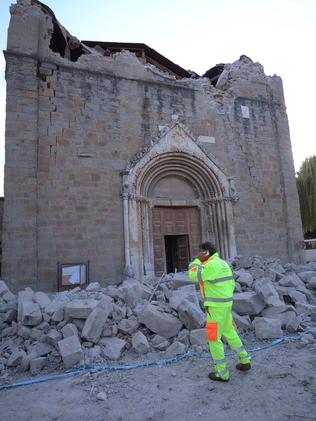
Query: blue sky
point(197, 34)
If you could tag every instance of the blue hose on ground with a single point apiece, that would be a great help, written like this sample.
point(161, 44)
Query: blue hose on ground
point(97, 368)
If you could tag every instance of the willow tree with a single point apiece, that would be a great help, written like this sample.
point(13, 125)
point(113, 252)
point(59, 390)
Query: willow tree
point(306, 185)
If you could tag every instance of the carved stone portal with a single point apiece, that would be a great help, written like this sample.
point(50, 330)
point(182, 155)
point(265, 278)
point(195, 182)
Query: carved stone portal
point(175, 172)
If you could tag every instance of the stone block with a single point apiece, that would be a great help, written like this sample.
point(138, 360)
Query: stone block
point(198, 337)
point(70, 351)
point(58, 315)
point(191, 315)
point(94, 325)
point(291, 280)
point(267, 291)
point(132, 292)
point(10, 316)
point(113, 347)
point(37, 364)
point(307, 275)
point(163, 324)
point(293, 324)
point(242, 322)
point(312, 283)
point(107, 305)
point(140, 343)
point(3, 288)
point(16, 358)
point(266, 328)
point(42, 299)
point(23, 297)
point(39, 349)
point(187, 292)
point(69, 329)
point(184, 336)
point(302, 308)
point(128, 326)
point(80, 309)
point(30, 313)
point(176, 348)
point(53, 337)
point(160, 343)
point(249, 303)
point(284, 313)
point(58, 302)
point(244, 278)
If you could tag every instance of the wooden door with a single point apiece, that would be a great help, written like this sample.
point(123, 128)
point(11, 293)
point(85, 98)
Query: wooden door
point(182, 221)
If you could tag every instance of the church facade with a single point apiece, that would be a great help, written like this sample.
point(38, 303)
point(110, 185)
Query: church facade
point(123, 162)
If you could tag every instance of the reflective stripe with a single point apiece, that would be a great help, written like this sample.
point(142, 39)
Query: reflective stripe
point(199, 274)
point(217, 362)
point(242, 348)
point(218, 300)
point(222, 373)
point(216, 281)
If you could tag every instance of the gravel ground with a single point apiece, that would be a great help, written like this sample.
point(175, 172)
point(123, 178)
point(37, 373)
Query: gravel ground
point(280, 386)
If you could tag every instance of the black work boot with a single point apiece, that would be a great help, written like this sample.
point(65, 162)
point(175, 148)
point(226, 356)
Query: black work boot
point(243, 367)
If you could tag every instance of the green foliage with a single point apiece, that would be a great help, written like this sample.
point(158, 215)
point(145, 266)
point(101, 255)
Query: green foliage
point(306, 185)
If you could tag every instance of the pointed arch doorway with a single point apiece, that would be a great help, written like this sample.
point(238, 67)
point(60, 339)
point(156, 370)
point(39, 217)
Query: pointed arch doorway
point(174, 197)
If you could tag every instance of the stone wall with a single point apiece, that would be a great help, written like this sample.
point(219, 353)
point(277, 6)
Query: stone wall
point(72, 128)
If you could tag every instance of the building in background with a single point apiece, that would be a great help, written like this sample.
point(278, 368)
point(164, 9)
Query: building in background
point(120, 161)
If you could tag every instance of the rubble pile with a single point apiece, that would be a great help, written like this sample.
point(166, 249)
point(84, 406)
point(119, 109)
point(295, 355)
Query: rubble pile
point(86, 326)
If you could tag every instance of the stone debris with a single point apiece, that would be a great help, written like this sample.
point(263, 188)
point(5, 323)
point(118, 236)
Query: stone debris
point(85, 326)
point(70, 351)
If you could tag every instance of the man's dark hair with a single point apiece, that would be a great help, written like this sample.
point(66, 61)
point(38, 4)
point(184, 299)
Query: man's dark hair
point(209, 247)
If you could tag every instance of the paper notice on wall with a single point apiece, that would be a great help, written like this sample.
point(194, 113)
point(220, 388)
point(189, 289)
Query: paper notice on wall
point(71, 275)
point(245, 111)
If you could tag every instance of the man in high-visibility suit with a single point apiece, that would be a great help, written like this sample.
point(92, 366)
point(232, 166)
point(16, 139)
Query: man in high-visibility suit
point(217, 287)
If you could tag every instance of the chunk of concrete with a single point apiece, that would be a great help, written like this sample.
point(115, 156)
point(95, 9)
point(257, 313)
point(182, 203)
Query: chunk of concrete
point(132, 291)
point(284, 313)
point(69, 330)
point(42, 299)
point(242, 322)
point(53, 337)
point(307, 275)
point(58, 302)
point(291, 280)
point(140, 343)
point(128, 326)
point(160, 343)
point(198, 337)
point(106, 304)
point(94, 325)
point(302, 308)
point(176, 348)
point(244, 278)
point(113, 347)
point(294, 324)
point(248, 303)
point(267, 328)
point(191, 315)
point(30, 313)
point(16, 358)
point(80, 309)
point(71, 351)
point(187, 292)
point(296, 296)
point(163, 324)
point(267, 291)
point(37, 364)
point(39, 349)
point(23, 297)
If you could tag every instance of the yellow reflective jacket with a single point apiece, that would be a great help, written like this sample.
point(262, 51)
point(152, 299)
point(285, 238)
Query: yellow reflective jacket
point(216, 281)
